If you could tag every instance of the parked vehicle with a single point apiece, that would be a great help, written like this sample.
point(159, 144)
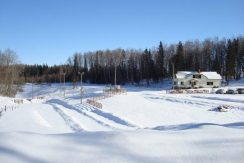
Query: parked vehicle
point(231, 91)
point(240, 90)
point(220, 91)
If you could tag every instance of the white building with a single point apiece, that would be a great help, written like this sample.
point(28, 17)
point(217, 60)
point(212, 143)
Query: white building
point(188, 79)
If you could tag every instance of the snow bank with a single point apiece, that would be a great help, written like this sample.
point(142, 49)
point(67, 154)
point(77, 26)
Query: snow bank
point(38, 118)
point(146, 125)
point(209, 144)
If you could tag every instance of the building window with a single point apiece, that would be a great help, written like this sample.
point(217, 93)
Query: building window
point(175, 83)
point(209, 83)
point(197, 76)
point(182, 83)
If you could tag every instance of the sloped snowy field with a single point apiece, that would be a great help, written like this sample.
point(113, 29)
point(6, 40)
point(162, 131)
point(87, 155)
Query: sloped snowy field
point(146, 125)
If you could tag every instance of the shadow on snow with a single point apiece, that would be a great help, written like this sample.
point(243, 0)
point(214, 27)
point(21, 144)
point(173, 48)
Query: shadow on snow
point(238, 125)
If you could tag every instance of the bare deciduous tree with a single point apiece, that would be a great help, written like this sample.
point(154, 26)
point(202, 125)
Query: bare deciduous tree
point(9, 72)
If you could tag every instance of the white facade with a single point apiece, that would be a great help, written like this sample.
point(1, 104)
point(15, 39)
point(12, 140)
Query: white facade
point(188, 79)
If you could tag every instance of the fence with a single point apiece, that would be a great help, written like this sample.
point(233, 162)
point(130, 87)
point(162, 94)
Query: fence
point(185, 91)
point(101, 97)
point(94, 103)
point(6, 108)
point(114, 91)
point(40, 97)
point(94, 100)
point(109, 92)
point(18, 101)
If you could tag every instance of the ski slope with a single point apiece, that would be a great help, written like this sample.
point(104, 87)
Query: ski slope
point(146, 125)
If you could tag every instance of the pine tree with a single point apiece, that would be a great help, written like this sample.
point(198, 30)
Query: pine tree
point(147, 66)
point(160, 62)
point(230, 61)
point(179, 58)
point(85, 69)
point(241, 60)
point(75, 69)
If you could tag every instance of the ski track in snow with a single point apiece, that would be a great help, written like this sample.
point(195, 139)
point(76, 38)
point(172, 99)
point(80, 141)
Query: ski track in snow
point(220, 99)
point(107, 115)
point(197, 101)
point(180, 100)
point(70, 121)
point(192, 134)
point(40, 119)
point(105, 119)
point(70, 107)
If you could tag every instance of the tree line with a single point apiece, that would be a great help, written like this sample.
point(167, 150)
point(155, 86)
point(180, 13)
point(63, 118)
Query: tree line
point(226, 56)
point(136, 66)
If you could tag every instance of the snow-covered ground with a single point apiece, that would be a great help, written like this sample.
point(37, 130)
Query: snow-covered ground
point(146, 125)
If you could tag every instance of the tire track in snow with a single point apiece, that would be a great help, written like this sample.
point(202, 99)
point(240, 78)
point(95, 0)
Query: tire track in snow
point(220, 99)
point(70, 107)
point(68, 119)
point(184, 101)
point(106, 119)
point(41, 120)
point(106, 115)
point(191, 101)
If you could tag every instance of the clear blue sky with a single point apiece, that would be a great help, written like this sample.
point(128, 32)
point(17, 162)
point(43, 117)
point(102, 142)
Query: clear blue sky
point(49, 31)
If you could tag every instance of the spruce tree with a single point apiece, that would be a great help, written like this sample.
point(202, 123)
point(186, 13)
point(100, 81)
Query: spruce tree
point(160, 62)
point(179, 58)
point(230, 61)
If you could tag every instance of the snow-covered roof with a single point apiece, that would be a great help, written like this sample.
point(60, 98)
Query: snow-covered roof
point(183, 74)
point(209, 75)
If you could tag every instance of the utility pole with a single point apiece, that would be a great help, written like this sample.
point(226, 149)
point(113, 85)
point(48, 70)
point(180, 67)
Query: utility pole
point(81, 74)
point(64, 84)
point(59, 81)
point(173, 68)
point(115, 75)
point(32, 89)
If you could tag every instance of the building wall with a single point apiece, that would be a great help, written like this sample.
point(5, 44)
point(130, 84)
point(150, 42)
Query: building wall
point(202, 82)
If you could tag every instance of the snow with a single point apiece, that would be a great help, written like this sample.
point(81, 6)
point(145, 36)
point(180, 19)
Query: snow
point(208, 74)
point(152, 109)
point(238, 83)
point(146, 125)
point(211, 75)
point(183, 74)
point(197, 145)
point(38, 118)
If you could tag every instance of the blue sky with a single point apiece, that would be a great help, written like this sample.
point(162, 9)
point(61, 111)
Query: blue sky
point(49, 31)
